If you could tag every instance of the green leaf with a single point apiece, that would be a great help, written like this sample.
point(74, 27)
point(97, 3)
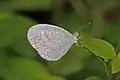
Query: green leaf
point(27, 69)
point(100, 48)
point(112, 34)
point(27, 4)
point(3, 59)
point(23, 47)
point(4, 0)
point(94, 66)
point(93, 78)
point(116, 64)
point(70, 63)
point(13, 27)
point(4, 15)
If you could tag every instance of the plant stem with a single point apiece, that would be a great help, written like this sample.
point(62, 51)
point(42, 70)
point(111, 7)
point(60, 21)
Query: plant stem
point(108, 68)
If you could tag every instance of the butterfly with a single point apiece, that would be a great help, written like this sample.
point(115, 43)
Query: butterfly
point(50, 41)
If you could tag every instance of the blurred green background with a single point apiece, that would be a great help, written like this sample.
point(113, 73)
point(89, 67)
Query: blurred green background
point(19, 61)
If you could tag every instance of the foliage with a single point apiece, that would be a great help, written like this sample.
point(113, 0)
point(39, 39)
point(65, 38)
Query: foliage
point(97, 56)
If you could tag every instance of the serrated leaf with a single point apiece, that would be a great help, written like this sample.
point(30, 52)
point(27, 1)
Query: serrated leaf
point(100, 48)
point(27, 69)
point(116, 64)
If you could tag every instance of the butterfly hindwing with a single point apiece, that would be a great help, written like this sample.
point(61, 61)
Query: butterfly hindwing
point(50, 41)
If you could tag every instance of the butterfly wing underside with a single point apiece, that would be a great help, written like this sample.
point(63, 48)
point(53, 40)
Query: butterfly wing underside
point(51, 42)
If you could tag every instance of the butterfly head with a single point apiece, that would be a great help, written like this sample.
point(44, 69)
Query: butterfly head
point(75, 36)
